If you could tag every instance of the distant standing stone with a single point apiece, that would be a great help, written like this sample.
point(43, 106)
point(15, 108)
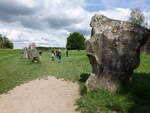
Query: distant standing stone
point(33, 53)
point(25, 52)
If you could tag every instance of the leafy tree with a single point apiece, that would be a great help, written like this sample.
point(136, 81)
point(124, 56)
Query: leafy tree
point(1, 41)
point(75, 41)
point(5, 42)
point(137, 17)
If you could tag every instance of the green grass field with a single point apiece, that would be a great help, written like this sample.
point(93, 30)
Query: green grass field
point(16, 70)
point(132, 98)
point(8, 52)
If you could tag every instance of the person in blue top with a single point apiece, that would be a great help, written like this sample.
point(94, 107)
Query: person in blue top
point(59, 54)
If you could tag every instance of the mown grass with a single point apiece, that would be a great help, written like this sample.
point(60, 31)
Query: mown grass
point(132, 98)
point(103, 101)
point(139, 88)
point(15, 70)
point(7, 52)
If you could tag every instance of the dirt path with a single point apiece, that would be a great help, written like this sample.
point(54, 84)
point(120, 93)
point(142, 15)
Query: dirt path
point(49, 95)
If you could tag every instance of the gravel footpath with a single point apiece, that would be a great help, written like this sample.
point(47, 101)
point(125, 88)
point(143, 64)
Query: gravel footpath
point(49, 95)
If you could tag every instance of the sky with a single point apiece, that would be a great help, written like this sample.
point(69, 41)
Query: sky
point(49, 22)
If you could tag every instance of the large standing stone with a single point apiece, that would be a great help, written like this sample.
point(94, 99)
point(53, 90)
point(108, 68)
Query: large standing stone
point(25, 52)
point(33, 54)
point(113, 51)
point(145, 49)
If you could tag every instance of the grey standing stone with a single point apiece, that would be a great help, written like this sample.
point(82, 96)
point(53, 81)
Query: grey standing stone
point(113, 51)
point(145, 49)
point(33, 54)
point(25, 52)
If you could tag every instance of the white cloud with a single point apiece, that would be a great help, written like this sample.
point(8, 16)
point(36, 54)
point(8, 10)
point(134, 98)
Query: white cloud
point(25, 3)
point(118, 13)
point(122, 14)
point(49, 22)
point(49, 25)
point(147, 17)
point(111, 4)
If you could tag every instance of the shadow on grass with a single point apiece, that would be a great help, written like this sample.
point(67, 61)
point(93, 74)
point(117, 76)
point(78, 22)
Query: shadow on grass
point(139, 89)
point(82, 80)
point(28, 62)
point(138, 92)
point(84, 77)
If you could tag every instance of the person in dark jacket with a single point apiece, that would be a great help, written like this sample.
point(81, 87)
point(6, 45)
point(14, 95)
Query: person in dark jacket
point(59, 54)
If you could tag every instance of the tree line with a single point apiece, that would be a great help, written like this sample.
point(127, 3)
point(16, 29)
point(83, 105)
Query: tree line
point(5, 42)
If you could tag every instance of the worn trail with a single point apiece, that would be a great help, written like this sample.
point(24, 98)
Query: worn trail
point(49, 95)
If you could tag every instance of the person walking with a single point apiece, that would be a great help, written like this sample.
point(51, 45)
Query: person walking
point(40, 54)
point(52, 55)
point(56, 53)
point(67, 52)
point(59, 56)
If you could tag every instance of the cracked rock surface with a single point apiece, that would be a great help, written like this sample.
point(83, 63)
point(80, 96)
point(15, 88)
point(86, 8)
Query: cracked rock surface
point(113, 51)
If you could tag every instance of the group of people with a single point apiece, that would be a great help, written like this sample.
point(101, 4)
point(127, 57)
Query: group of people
point(56, 53)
